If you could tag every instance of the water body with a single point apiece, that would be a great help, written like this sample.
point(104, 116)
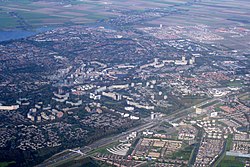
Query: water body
point(18, 34)
point(243, 129)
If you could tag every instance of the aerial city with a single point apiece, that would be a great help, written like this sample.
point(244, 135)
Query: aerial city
point(124, 83)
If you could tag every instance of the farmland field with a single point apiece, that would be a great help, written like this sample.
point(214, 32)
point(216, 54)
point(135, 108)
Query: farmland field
point(28, 14)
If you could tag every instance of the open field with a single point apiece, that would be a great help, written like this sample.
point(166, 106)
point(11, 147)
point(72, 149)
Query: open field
point(228, 161)
point(5, 164)
point(27, 14)
point(223, 13)
point(245, 97)
point(103, 150)
point(183, 154)
point(209, 104)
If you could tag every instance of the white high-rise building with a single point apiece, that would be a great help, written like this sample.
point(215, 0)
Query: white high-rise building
point(152, 115)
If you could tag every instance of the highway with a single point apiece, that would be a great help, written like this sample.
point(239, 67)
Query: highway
point(106, 141)
point(97, 144)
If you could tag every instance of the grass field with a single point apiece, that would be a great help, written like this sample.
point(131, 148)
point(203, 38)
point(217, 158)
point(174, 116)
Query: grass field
point(183, 154)
point(229, 142)
point(209, 104)
point(245, 97)
point(235, 83)
point(6, 164)
point(192, 100)
point(229, 161)
point(103, 150)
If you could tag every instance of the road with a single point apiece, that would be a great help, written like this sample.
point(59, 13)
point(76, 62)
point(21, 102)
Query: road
point(106, 141)
point(97, 144)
